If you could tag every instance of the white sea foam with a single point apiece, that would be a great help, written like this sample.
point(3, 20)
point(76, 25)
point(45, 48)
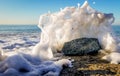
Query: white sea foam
point(113, 58)
point(57, 28)
point(76, 22)
point(18, 41)
point(26, 65)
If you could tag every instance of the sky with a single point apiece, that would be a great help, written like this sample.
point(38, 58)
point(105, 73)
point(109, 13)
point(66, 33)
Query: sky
point(28, 11)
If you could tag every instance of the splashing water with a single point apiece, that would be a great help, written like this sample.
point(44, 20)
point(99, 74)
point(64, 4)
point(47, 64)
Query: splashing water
point(76, 22)
point(57, 28)
point(94, 2)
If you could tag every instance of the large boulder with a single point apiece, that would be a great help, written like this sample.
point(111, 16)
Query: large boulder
point(81, 46)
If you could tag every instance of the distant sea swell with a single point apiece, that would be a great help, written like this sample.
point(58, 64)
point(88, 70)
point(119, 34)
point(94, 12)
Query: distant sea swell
point(19, 29)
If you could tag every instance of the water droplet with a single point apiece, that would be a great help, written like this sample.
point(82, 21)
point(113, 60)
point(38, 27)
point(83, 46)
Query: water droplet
point(94, 2)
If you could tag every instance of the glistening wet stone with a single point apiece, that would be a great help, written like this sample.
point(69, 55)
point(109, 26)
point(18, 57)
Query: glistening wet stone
point(81, 46)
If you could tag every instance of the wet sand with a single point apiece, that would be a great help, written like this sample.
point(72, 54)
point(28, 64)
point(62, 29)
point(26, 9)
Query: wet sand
point(91, 66)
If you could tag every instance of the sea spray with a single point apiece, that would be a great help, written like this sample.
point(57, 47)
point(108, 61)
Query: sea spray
point(77, 22)
point(68, 24)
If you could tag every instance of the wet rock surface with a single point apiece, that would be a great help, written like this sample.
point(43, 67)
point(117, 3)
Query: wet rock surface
point(81, 46)
point(91, 66)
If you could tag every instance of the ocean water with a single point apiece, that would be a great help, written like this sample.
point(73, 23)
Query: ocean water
point(116, 29)
point(18, 37)
point(24, 37)
point(6, 29)
point(20, 29)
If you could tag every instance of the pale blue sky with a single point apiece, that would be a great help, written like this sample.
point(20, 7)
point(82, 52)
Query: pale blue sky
point(28, 11)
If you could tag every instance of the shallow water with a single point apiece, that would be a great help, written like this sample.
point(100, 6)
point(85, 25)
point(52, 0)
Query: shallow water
point(18, 37)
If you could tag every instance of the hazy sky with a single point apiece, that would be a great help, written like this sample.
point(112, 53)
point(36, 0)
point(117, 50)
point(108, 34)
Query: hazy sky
point(28, 11)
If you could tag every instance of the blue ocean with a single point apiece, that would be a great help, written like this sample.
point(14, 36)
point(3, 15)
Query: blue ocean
point(19, 29)
point(25, 37)
point(7, 29)
point(116, 29)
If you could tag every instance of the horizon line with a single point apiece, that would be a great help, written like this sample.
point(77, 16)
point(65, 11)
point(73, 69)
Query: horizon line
point(18, 24)
point(35, 24)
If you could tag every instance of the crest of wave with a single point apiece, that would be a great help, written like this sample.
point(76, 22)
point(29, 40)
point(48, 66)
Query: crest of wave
point(72, 23)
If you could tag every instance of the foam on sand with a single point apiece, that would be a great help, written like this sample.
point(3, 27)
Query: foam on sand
point(27, 65)
point(113, 58)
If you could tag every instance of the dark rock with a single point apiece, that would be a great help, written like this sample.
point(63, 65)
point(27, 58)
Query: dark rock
point(81, 46)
